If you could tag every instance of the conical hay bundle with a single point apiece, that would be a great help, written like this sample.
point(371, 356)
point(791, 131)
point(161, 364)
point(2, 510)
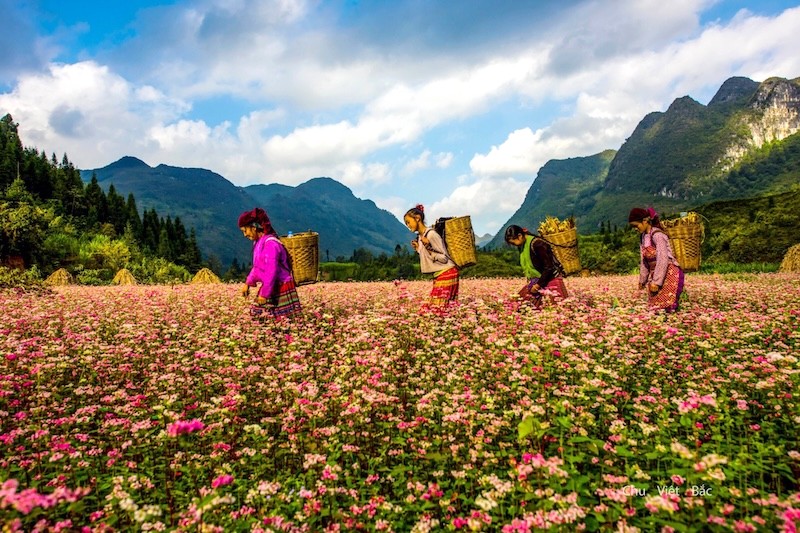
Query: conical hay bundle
point(206, 275)
point(565, 248)
point(685, 240)
point(791, 261)
point(59, 277)
point(460, 241)
point(303, 249)
point(124, 277)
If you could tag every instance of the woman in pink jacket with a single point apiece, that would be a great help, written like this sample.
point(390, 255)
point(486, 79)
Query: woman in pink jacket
point(659, 271)
point(277, 297)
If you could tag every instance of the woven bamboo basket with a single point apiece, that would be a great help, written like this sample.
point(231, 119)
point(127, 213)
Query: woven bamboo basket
point(565, 248)
point(460, 241)
point(685, 240)
point(303, 250)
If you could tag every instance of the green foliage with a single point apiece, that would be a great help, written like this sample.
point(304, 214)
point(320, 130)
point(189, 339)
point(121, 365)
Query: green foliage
point(502, 263)
point(334, 271)
point(615, 251)
point(751, 230)
point(157, 270)
point(29, 279)
point(50, 220)
point(738, 268)
point(93, 276)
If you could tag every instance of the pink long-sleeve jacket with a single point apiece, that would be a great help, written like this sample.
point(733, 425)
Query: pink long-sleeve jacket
point(664, 257)
point(270, 266)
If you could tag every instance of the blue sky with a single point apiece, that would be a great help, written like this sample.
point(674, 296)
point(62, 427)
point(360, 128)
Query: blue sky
point(453, 104)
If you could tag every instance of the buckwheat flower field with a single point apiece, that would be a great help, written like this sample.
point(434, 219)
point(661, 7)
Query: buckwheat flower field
point(169, 409)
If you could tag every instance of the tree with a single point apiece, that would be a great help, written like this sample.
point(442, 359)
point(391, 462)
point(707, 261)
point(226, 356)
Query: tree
point(23, 225)
point(10, 151)
point(132, 217)
point(164, 248)
point(97, 203)
point(192, 258)
point(117, 210)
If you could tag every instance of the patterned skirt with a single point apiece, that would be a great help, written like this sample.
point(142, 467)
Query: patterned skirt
point(669, 295)
point(556, 286)
point(445, 287)
point(286, 304)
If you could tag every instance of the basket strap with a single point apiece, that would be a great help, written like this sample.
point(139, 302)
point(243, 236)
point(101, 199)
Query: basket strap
point(288, 264)
point(556, 263)
point(446, 251)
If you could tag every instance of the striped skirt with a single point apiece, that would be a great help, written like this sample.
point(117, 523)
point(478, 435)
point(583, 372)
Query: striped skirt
point(445, 287)
point(286, 304)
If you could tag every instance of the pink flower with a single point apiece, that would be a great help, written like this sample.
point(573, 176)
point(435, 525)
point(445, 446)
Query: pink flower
point(184, 426)
point(221, 481)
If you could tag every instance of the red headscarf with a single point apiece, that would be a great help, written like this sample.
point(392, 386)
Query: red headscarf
point(256, 217)
point(638, 214)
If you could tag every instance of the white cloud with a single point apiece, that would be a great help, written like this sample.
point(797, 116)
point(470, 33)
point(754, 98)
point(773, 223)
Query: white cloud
point(420, 163)
point(444, 159)
point(85, 109)
point(426, 160)
point(486, 201)
point(354, 174)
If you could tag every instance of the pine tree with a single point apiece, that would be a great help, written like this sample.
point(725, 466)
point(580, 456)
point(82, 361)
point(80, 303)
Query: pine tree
point(132, 217)
point(10, 151)
point(164, 248)
point(192, 258)
point(117, 210)
point(97, 203)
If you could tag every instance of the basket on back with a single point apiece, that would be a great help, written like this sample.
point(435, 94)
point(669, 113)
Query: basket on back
point(685, 236)
point(563, 239)
point(459, 239)
point(303, 250)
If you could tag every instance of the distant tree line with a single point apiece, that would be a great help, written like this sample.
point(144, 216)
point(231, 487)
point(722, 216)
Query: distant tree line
point(50, 219)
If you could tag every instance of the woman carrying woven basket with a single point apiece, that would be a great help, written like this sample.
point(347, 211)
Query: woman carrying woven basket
point(433, 258)
point(659, 271)
point(539, 264)
point(277, 297)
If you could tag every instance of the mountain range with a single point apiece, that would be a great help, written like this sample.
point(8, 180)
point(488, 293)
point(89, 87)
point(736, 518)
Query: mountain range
point(211, 205)
point(744, 143)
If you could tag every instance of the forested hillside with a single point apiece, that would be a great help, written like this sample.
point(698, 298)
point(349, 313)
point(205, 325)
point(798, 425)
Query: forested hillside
point(50, 219)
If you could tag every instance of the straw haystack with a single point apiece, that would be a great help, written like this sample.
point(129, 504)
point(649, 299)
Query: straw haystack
point(124, 277)
point(791, 261)
point(205, 275)
point(59, 277)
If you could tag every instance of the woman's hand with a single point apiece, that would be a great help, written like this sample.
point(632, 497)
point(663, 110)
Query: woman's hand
point(246, 290)
point(260, 300)
point(654, 288)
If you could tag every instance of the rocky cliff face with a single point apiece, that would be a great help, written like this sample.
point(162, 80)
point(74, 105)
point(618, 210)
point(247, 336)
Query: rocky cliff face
point(773, 115)
point(778, 101)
